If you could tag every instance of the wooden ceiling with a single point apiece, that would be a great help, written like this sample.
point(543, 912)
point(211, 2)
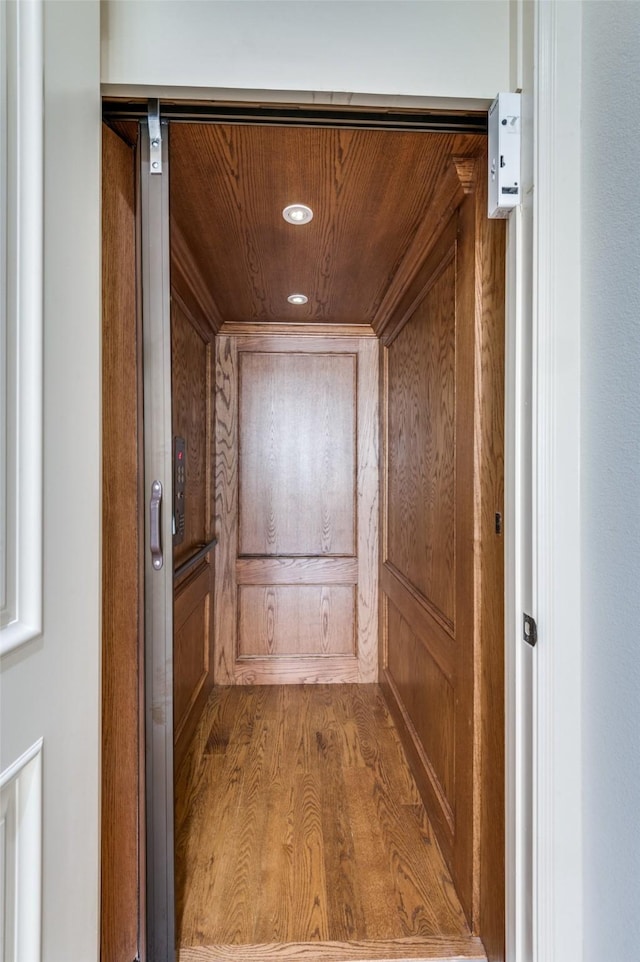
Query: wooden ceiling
point(370, 191)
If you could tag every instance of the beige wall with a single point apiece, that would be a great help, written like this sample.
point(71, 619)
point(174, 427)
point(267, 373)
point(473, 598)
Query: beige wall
point(429, 48)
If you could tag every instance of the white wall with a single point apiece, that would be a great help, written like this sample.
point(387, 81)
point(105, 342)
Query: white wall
point(50, 686)
point(611, 478)
point(432, 48)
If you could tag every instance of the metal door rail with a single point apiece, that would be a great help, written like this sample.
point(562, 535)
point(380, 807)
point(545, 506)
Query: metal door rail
point(192, 562)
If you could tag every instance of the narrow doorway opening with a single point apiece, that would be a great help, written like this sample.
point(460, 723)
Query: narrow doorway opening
point(338, 687)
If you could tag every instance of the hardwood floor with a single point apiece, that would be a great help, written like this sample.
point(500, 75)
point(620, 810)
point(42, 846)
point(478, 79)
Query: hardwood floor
point(301, 835)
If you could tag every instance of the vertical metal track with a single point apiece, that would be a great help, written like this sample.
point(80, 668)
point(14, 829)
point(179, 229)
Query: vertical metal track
point(154, 194)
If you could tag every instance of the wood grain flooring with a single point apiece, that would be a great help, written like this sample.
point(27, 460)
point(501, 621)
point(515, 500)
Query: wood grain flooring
point(301, 835)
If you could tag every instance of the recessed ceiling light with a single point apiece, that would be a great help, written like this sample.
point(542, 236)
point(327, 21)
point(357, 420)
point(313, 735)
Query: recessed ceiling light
point(297, 298)
point(297, 214)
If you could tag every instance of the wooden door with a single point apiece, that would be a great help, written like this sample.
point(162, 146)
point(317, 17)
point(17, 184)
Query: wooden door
point(192, 425)
point(442, 556)
point(296, 495)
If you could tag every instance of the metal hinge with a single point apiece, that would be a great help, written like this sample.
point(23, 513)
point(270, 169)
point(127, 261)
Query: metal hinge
point(155, 137)
point(529, 629)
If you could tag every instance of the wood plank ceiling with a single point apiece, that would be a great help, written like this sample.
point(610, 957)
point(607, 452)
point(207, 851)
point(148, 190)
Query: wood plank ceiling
point(370, 191)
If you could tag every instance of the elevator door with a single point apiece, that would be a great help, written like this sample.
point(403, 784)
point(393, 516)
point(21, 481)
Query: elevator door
point(296, 491)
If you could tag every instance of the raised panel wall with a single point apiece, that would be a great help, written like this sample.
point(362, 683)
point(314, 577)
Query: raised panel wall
point(428, 555)
point(192, 419)
point(296, 620)
point(296, 506)
point(441, 572)
point(430, 704)
point(192, 644)
point(422, 438)
point(297, 447)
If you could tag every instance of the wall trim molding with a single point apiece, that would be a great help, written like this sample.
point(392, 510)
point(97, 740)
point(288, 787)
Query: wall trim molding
point(24, 49)
point(557, 778)
point(21, 853)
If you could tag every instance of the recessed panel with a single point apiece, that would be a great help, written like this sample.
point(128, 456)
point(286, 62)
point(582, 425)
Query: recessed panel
point(192, 640)
point(427, 697)
point(296, 620)
point(297, 454)
point(192, 422)
point(421, 447)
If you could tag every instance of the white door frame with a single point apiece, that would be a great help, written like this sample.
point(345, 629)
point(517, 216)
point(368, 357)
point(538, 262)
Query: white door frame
point(542, 507)
point(557, 716)
point(543, 730)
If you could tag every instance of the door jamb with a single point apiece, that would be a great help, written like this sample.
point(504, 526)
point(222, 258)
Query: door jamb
point(521, 911)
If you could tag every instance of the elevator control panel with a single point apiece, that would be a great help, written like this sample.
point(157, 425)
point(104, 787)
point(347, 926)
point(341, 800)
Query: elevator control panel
point(179, 488)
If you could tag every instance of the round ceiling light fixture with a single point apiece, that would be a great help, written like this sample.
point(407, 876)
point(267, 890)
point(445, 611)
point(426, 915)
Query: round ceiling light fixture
point(297, 298)
point(297, 214)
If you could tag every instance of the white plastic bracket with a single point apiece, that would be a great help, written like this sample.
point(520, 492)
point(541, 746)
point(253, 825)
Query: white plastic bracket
point(505, 132)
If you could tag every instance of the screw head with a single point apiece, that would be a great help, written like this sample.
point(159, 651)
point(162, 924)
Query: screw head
point(155, 165)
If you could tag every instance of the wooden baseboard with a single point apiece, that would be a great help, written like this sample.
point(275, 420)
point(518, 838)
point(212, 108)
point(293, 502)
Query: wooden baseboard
point(442, 949)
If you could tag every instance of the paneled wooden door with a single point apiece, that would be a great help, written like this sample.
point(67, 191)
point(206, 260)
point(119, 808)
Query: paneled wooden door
point(296, 509)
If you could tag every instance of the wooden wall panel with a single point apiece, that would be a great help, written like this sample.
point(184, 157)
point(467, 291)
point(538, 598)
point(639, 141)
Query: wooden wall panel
point(429, 535)
point(226, 509)
point(296, 504)
point(442, 383)
point(430, 705)
point(296, 620)
point(192, 643)
point(491, 241)
point(192, 419)
point(191, 358)
point(121, 554)
point(422, 409)
point(297, 437)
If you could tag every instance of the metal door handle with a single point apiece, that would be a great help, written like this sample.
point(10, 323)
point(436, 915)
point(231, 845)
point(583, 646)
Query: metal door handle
point(154, 525)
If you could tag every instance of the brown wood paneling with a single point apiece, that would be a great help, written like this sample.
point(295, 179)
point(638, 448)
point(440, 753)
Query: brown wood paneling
point(417, 612)
point(296, 620)
point(439, 949)
point(226, 508)
point(192, 643)
point(230, 183)
point(429, 534)
point(296, 475)
point(127, 130)
point(191, 359)
point(297, 455)
point(288, 571)
point(430, 705)
point(442, 633)
point(422, 439)
point(121, 547)
point(192, 417)
point(491, 241)
point(290, 328)
point(323, 837)
point(443, 202)
point(188, 282)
